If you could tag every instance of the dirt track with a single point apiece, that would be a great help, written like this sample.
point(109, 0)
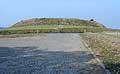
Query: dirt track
point(47, 54)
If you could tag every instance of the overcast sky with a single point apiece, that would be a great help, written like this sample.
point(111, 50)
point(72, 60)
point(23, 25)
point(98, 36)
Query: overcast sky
point(106, 12)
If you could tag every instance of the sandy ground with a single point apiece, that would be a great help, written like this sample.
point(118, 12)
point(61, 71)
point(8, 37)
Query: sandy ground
point(60, 53)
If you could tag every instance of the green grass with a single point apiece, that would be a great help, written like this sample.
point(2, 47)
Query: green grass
point(34, 27)
point(50, 29)
point(46, 27)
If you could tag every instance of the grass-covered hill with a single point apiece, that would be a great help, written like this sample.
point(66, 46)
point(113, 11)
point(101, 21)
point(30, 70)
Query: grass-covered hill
point(54, 25)
point(58, 21)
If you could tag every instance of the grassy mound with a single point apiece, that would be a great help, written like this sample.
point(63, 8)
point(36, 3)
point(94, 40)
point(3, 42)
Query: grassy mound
point(53, 25)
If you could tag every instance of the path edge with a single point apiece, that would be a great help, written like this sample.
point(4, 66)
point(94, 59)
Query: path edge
point(96, 58)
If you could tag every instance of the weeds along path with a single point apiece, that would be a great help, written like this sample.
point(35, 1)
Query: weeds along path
point(107, 48)
point(60, 53)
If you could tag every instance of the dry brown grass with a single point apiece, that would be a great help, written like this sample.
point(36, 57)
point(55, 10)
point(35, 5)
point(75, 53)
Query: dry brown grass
point(107, 48)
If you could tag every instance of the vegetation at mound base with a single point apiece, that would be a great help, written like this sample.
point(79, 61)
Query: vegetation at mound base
point(50, 29)
point(54, 25)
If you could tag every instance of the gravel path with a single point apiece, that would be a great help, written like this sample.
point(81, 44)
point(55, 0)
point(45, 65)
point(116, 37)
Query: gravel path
point(61, 53)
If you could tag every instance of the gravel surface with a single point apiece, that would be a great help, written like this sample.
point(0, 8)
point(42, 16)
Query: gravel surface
point(61, 53)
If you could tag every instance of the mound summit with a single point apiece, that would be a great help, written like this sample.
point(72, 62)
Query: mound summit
point(58, 21)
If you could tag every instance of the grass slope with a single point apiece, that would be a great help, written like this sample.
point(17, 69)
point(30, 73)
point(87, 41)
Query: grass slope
point(50, 29)
point(53, 25)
